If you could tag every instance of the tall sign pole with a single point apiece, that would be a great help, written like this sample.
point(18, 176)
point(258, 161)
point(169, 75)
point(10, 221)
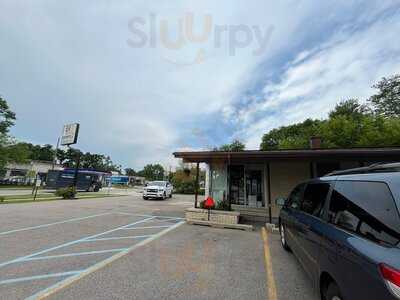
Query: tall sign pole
point(55, 153)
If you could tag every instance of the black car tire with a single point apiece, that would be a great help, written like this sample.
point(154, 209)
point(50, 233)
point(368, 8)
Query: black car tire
point(282, 233)
point(145, 198)
point(164, 196)
point(333, 292)
point(170, 195)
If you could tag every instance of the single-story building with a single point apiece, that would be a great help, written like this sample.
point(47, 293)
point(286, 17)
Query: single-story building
point(252, 180)
point(27, 172)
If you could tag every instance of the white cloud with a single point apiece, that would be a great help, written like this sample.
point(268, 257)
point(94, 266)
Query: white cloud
point(344, 67)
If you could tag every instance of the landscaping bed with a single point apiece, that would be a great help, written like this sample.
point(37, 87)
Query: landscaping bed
point(215, 218)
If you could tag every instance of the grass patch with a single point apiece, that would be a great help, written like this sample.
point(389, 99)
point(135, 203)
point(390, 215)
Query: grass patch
point(28, 196)
point(50, 197)
point(16, 187)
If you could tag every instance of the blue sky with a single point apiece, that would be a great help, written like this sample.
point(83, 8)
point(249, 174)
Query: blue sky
point(73, 61)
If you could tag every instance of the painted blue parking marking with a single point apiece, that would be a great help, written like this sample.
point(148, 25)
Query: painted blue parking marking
point(52, 224)
point(20, 259)
point(141, 215)
point(75, 254)
point(119, 238)
point(30, 278)
point(63, 283)
point(147, 227)
point(115, 253)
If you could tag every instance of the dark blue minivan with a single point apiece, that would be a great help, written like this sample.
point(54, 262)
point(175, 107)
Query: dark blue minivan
point(345, 232)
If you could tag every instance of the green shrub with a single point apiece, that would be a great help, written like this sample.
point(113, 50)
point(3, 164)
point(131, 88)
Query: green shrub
point(2, 199)
point(202, 204)
point(223, 205)
point(66, 193)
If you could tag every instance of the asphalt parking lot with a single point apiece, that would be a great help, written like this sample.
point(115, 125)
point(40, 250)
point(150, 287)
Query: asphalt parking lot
point(128, 248)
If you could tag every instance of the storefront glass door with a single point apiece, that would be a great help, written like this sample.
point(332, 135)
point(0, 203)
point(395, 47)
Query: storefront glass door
point(245, 186)
point(254, 194)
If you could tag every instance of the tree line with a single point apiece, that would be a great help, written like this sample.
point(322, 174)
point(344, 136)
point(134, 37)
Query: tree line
point(352, 123)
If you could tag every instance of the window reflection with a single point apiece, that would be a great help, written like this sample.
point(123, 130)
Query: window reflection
point(375, 218)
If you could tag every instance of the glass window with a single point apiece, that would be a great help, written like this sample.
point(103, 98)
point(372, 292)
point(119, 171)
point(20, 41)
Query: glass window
point(367, 209)
point(314, 198)
point(218, 182)
point(294, 199)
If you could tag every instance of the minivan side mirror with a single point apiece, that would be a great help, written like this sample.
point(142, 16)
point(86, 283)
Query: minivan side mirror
point(280, 201)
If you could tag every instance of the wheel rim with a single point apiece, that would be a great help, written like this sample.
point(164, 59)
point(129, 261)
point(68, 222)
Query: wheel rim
point(283, 240)
point(336, 298)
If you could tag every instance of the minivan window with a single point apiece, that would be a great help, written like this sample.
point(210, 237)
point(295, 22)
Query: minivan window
point(367, 209)
point(314, 198)
point(294, 199)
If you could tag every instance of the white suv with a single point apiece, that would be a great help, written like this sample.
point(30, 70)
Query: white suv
point(157, 189)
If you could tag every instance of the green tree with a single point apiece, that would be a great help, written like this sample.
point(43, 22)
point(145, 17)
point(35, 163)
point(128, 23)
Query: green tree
point(296, 136)
point(235, 146)
point(88, 160)
point(350, 108)
point(130, 172)
point(350, 124)
point(184, 180)
point(93, 161)
point(387, 101)
point(152, 172)
point(17, 152)
point(38, 152)
point(7, 119)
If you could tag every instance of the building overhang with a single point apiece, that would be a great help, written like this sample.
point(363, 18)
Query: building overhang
point(255, 156)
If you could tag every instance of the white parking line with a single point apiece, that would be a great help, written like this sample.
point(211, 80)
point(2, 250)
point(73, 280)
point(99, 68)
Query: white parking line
point(75, 254)
point(20, 259)
point(22, 279)
point(147, 227)
point(73, 276)
point(68, 281)
point(141, 215)
point(51, 224)
point(119, 238)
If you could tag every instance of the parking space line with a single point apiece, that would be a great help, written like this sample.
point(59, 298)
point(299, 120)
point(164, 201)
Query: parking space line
point(68, 281)
point(22, 279)
point(119, 238)
point(271, 285)
point(75, 254)
point(21, 259)
point(141, 215)
point(147, 227)
point(51, 224)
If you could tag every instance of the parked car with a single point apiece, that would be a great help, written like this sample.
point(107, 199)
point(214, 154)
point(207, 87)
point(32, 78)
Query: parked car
point(158, 190)
point(345, 232)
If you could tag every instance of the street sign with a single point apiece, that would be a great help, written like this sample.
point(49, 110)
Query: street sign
point(70, 134)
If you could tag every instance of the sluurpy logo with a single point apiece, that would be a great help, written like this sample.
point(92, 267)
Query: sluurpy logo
point(154, 32)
